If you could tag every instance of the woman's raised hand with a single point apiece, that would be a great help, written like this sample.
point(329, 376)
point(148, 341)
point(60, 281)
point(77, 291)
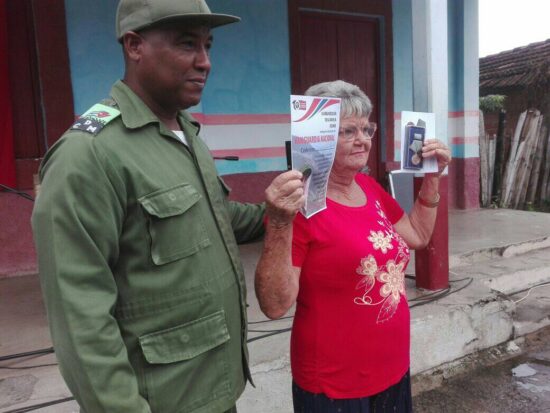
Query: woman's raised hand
point(284, 197)
point(434, 147)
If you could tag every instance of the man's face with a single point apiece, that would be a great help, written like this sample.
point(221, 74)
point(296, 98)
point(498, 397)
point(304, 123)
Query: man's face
point(174, 65)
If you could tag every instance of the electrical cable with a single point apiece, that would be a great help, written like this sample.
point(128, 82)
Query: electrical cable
point(67, 399)
point(470, 281)
point(436, 295)
point(43, 351)
point(426, 296)
point(39, 406)
point(269, 333)
point(284, 330)
point(39, 353)
point(448, 291)
point(269, 321)
point(460, 279)
point(15, 191)
point(529, 291)
point(441, 294)
point(27, 367)
point(266, 331)
point(528, 288)
point(413, 277)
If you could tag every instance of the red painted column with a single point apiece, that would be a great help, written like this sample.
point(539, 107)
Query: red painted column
point(7, 157)
point(464, 183)
point(432, 263)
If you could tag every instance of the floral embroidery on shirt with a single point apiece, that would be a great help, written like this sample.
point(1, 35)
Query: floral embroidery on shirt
point(380, 241)
point(392, 289)
point(392, 278)
point(368, 268)
point(391, 275)
point(403, 249)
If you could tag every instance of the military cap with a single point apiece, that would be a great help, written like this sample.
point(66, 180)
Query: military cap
point(135, 15)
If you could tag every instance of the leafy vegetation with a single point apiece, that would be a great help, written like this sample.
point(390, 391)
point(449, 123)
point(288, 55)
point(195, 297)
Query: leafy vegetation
point(492, 103)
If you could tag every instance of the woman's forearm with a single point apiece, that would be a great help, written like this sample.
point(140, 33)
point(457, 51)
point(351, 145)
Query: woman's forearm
point(276, 281)
point(424, 211)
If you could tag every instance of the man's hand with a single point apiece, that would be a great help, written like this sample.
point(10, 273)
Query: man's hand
point(284, 198)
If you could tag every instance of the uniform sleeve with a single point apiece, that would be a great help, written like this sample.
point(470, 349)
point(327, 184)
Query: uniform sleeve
point(246, 218)
point(246, 221)
point(77, 220)
point(300, 240)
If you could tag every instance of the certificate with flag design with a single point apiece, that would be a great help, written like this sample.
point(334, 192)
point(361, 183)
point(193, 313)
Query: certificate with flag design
point(314, 128)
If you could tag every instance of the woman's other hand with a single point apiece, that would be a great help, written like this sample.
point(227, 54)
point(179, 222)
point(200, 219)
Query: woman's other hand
point(417, 227)
point(434, 147)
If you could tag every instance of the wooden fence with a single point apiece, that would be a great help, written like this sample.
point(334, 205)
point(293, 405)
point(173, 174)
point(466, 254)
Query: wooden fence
point(525, 171)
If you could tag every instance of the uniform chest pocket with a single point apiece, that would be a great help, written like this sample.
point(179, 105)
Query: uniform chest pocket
point(174, 222)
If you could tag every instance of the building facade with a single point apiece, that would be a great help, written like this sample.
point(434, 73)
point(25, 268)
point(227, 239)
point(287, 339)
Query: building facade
point(60, 57)
point(63, 57)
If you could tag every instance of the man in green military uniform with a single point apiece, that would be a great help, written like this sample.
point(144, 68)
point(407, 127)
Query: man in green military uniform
point(136, 239)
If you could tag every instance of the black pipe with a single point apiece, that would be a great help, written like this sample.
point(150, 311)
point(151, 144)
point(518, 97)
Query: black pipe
point(227, 158)
point(498, 168)
point(29, 353)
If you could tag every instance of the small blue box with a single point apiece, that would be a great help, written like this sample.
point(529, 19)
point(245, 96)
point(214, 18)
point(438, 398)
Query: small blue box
point(414, 141)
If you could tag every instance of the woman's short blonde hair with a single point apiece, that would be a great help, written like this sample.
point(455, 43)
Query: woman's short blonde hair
point(354, 101)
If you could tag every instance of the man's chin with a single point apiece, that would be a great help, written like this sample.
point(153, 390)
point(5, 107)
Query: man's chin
point(189, 102)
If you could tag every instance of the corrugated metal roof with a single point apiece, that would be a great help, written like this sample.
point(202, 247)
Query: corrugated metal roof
point(513, 68)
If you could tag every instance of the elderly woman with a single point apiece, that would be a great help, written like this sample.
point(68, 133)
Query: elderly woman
point(345, 270)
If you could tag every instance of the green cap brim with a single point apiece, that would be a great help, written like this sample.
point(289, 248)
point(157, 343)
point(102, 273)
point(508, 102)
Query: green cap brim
point(200, 19)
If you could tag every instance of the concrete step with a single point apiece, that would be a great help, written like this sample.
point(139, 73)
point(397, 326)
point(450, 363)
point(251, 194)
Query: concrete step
point(477, 314)
point(496, 310)
point(487, 312)
point(511, 273)
point(502, 251)
point(463, 322)
point(532, 310)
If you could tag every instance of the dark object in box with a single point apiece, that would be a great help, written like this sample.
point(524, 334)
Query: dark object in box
point(414, 136)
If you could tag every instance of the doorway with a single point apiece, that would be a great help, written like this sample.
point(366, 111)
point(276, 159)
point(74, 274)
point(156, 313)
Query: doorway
point(39, 78)
point(348, 40)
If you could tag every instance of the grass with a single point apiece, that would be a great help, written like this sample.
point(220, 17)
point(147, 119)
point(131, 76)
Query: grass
point(543, 207)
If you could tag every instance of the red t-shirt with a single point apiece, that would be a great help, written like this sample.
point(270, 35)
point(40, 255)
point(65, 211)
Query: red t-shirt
point(351, 331)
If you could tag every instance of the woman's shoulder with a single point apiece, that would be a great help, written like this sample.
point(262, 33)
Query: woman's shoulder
point(368, 183)
point(362, 177)
point(378, 193)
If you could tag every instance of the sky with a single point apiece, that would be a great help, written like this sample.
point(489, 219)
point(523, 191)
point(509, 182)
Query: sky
point(506, 24)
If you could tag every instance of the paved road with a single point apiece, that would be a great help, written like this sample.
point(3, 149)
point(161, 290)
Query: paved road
point(517, 385)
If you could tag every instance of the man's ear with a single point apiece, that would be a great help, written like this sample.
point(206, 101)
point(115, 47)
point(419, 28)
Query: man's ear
point(133, 43)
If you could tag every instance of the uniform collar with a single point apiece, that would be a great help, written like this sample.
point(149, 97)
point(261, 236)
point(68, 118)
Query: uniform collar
point(135, 113)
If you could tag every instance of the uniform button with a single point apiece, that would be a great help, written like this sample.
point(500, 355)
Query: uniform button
point(185, 338)
point(172, 197)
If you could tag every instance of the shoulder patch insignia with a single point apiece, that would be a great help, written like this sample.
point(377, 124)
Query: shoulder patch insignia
point(95, 118)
